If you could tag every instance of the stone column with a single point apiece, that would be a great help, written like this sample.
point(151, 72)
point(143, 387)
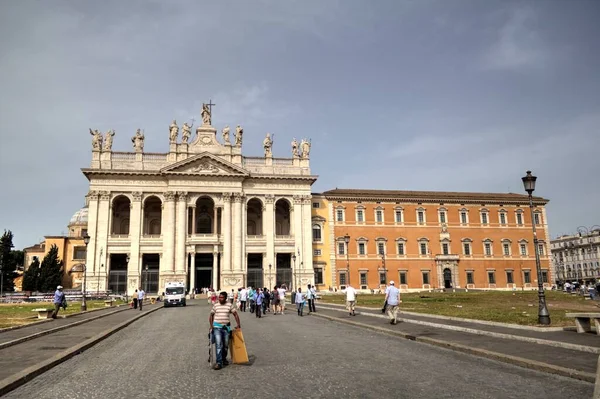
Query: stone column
point(102, 232)
point(226, 226)
point(181, 228)
point(237, 232)
point(215, 276)
point(192, 271)
point(307, 257)
point(269, 229)
point(193, 219)
point(90, 256)
point(133, 274)
point(298, 234)
point(215, 209)
point(168, 230)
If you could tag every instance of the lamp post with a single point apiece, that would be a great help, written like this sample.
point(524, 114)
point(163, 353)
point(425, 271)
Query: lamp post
point(384, 268)
point(543, 314)
point(270, 277)
point(126, 260)
point(86, 241)
point(347, 241)
point(294, 270)
point(146, 290)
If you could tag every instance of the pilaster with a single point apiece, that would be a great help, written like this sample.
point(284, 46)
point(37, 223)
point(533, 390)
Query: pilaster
point(134, 235)
point(192, 271)
point(308, 272)
point(215, 275)
point(168, 230)
point(298, 233)
point(104, 217)
point(237, 231)
point(226, 226)
point(269, 229)
point(92, 226)
point(181, 229)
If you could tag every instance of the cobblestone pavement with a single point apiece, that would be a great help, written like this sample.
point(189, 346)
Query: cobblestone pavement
point(165, 355)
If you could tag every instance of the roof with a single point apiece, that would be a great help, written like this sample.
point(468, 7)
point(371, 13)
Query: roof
point(432, 196)
point(80, 217)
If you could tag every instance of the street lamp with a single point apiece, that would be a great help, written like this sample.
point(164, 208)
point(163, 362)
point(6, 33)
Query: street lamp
point(543, 314)
point(126, 260)
point(146, 290)
point(384, 268)
point(294, 271)
point(347, 241)
point(86, 241)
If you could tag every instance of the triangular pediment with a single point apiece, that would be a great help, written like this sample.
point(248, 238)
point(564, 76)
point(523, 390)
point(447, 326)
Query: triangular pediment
point(204, 164)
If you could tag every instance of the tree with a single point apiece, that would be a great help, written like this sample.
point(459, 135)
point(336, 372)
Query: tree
point(51, 271)
point(7, 262)
point(31, 276)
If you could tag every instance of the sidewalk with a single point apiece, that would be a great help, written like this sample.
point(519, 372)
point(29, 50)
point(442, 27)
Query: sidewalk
point(29, 355)
point(558, 360)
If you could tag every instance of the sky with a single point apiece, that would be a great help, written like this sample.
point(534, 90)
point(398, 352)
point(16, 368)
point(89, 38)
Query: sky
point(448, 95)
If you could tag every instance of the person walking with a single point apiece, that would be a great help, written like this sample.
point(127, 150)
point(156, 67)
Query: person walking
point(135, 299)
point(260, 299)
point(275, 299)
point(350, 300)
point(141, 295)
point(281, 292)
point(392, 297)
point(220, 327)
point(300, 301)
point(311, 295)
point(243, 299)
point(59, 300)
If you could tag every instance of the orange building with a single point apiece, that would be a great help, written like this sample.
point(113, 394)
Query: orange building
point(431, 240)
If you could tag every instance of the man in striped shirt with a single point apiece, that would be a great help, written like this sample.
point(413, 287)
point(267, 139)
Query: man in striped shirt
point(220, 327)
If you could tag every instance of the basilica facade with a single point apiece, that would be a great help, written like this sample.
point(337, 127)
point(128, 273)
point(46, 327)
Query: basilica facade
point(202, 213)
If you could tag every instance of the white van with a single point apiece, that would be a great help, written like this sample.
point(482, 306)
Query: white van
point(174, 295)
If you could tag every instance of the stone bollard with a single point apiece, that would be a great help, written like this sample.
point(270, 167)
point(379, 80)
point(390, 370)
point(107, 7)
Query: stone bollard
point(597, 385)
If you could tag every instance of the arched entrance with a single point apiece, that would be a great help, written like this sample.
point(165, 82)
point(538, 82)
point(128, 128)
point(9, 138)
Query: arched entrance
point(447, 278)
point(282, 217)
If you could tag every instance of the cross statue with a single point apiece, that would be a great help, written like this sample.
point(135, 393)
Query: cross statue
point(210, 105)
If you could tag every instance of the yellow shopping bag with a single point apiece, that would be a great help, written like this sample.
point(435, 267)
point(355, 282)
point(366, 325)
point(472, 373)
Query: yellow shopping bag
point(237, 347)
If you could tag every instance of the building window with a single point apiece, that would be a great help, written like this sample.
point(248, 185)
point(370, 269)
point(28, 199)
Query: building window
point(484, 217)
point(363, 279)
point(541, 249)
point(506, 248)
point(544, 276)
point(340, 215)
point(361, 248)
point(470, 278)
point(527, 277)
point(445, 249)
point(381, 248)
point(467, 248)
point(379, 216)
point(318, 275)
point(398, 215)
point(443, 216)
point(79, 253)
point(342, 278)
point(382, 279)
point(536, 218)
point(509, 277)
point(423, 248)
point(317, 252)
point(401, 248)
point(492, 277)
point(464, 216)
point(487, 248)
point(519, 218)
point(316, 232)
point(360, 216)
point(316, 205)
point(502, 218)
point(523, 249)
point(341, 248)
point(403, 278)
point(425, 277)
point(421, 217)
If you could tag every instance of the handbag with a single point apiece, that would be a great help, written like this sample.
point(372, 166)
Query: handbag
point(384, 306)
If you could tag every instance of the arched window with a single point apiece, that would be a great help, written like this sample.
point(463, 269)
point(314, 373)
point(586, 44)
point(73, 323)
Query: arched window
point(316, 232)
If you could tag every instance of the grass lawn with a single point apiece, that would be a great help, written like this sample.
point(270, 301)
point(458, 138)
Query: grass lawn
point(520, 307)
point(18, 314)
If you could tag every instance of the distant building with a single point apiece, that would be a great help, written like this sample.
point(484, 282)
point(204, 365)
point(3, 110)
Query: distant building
point(428, 240)
point(71, 249)
point(577, 257)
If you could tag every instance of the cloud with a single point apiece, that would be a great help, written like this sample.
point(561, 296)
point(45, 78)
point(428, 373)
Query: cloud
point(518, 44)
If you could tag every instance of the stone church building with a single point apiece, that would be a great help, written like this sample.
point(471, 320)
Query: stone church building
point(201, 213)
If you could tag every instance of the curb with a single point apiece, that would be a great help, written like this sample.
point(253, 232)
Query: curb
point(474, 321)
point(514, 360)
point(56, 329)
point(49, 320)
point(13, 382)
point(539, 341)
